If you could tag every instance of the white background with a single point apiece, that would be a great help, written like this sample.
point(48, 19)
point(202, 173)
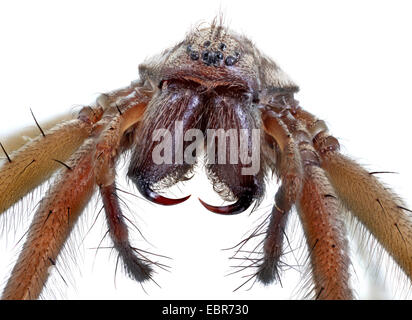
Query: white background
point(351, 59)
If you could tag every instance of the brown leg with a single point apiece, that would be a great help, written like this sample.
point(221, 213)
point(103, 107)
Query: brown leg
point(51, 226)
point(290, 171)
point(134, 265)
point(35, 162)
point(323, 222)
point(376, 206)
point(380, 210)
point(325, 235)
point(318, 206)
point(270, 268)
point(92, 164)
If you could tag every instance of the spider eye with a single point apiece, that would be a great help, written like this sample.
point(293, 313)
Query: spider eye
point(222, 46)
point(205, 55)
point(194, 55)
point(208, 57)
point(230, 61)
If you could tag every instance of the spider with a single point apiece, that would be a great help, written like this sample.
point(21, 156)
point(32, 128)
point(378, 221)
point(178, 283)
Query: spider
point(214, 81)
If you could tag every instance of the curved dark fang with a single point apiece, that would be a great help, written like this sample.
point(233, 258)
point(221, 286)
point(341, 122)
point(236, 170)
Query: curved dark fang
point(238, 207)
point(149, 194)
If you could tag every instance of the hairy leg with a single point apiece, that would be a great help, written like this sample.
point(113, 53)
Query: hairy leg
point(380, 210)
point(319, 211)
point(376, 207)
point(28, 164)
point(20, 137)
point(51, 226)
point(324, 226)
point(91, 165)
point(325, 235)
point(35, 162)
point(134, 265)
point(290, 173)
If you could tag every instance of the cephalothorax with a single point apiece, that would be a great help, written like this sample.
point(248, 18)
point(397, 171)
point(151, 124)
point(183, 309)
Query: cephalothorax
point(215, 80)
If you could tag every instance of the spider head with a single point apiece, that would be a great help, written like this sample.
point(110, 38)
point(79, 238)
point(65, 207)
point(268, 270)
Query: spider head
point(217, 57)
point(213, 80)
point(214, 57)
point(211, 57)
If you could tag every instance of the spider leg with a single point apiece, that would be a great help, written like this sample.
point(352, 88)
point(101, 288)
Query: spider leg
point(134, 265)
point(291, 173)
point(325, 234)
point(322, 221)
point(34, 162)
point(379, 209)
point(105, 179)
point(51, 226)
point(90, 165)
point(19, 138)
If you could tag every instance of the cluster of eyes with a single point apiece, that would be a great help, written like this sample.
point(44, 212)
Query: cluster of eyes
point(210, 57)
